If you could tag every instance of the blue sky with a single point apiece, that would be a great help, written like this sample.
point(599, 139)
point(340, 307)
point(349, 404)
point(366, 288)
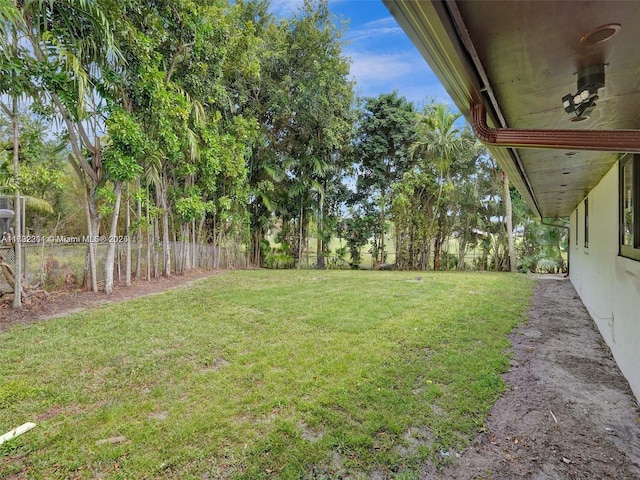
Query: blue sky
point(383, 59)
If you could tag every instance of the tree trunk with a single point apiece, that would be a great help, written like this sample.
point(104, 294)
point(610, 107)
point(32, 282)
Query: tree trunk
point(216, 245)
point(320, 263)
point(127, 280)
point(111, 245)
point(194, 245)
point(166, 248)
point(436, 252)
point(166, 243)
point(382, 220)
point(300, 237)
point(17, 288)
point(509, 216)
point(150, 230)
point(118, 259)
point(186, 248)
point(156, 256)
point(437, 246)
point(425, 253)
point(255, 249)
point(218, 249)
point(462, 251)
point(202, 257)
point(257, 235)
point(93, 225)
point(320, 246)
point(139, 212)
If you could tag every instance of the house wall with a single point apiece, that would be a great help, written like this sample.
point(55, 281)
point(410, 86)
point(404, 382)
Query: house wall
point(609, 285)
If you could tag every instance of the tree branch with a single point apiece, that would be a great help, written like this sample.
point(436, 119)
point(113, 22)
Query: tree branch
point(174, 59)
point(71, 126)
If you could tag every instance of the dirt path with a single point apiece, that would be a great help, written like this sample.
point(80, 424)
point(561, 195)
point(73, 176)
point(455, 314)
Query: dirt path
point(569, 412)
point(40, 307)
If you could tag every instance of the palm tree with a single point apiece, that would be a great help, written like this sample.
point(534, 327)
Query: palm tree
point(439, 143)
point(10, 21)
point(74, 39)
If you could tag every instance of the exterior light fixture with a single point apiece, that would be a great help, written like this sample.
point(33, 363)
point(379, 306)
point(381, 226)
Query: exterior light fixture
point(582, 103)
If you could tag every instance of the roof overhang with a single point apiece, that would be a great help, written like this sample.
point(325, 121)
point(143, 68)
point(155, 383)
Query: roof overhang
point(516, 60)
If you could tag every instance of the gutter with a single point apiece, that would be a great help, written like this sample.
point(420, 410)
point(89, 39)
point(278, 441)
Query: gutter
point(623, 141)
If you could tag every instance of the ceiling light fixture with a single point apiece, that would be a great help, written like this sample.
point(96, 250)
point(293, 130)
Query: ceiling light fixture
point(581, 104)
point(600, 34)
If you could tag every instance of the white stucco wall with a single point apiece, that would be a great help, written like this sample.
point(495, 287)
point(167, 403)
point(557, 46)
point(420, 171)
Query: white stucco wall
point(609, 285)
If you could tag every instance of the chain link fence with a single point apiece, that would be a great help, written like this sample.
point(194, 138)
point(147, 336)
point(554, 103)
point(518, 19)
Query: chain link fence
point(56, 265)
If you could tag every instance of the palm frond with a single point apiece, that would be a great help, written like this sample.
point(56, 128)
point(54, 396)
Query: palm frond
point(37, 205)
point(72, 66)
point(197, 109)
point(152, 169)
point(194, 145)
point(10, 22)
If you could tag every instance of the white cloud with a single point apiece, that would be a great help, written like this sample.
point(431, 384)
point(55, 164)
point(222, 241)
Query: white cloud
point(285, 8)
point(382, 57)
point(404, 71)
point(383, 27)
point(380, 67)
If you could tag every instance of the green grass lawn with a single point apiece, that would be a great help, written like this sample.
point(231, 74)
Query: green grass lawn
point(262, 374)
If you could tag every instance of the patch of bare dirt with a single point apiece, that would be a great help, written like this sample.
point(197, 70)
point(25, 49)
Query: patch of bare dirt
point(40, 306)
point(568, 414)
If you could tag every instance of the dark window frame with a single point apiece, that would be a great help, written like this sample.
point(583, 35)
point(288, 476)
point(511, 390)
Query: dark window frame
point(629, 251)
point(577, 224)
point(585, 203)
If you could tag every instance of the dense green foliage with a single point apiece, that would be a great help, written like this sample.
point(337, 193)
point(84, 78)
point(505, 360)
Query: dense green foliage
point(385, 134)
point(214, 122)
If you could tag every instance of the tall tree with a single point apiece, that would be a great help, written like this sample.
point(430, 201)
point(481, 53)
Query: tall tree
point(412, 211)
point(174, 83)
point(302, 101)
point(440, 142)
point(509, 223)
point(125, 144)
point(263, 98)
point(72, 41)
point(321, 96)
point(15, 81)
point(385, 132)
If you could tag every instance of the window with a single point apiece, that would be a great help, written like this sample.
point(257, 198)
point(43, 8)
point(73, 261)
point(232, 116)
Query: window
point(576, 229)
point(629, 192)
point(586, 222)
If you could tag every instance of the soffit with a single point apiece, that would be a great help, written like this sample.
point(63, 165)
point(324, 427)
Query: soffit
point(530, 52)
